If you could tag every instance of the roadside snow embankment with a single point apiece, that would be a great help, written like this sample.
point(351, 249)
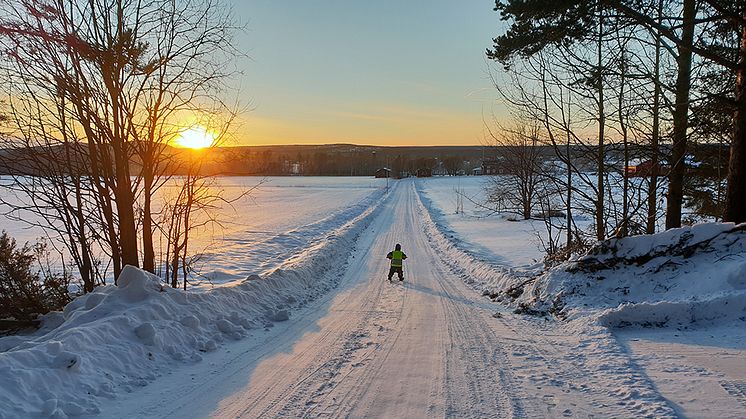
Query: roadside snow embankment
point(477, 271)
point(678, 277)
point(675, 278)
point(120, 337)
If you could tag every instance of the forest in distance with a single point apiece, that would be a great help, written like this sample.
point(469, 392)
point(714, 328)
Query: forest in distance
point(707, 159)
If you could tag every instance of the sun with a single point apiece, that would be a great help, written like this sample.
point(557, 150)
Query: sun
point(196, 136)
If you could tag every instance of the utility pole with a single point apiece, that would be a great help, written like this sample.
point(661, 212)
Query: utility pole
point(388, 173)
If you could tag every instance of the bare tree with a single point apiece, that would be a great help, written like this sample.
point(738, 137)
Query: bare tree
point(517, 151)
point(117, 79)
point(591, 99)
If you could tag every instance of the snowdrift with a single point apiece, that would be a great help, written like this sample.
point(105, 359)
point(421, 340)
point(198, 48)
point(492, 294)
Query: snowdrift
point(120, 337)
point(681, 277)
point(483, 275)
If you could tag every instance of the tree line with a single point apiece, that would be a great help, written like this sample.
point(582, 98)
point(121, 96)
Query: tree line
point(621, 82)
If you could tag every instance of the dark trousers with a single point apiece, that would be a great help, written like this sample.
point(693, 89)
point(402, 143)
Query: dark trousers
point(398, 270)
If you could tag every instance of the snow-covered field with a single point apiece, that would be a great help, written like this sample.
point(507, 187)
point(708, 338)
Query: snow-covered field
point(122, 337)
point(479, 231)
point(645, 327)
point(278, 219)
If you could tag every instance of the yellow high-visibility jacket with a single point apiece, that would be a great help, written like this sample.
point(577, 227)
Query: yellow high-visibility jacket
point(397, 256)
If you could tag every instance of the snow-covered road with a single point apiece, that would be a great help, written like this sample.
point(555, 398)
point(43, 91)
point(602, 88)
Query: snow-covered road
point(427, 347)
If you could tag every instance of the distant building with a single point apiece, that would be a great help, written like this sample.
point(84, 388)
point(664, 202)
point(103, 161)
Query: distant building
point(293, 168)
point(490, 167)
point(645, 169)
point(383, 172)
point(477, 171)
point(424, 172)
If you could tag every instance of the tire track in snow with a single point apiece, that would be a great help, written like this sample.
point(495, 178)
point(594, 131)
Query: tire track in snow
point(559, 369)
point(293, 393)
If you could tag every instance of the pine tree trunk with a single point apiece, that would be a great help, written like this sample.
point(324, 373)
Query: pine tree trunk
point(600, 227)
point(735, 198)
point(680, 118)
point(125, 210)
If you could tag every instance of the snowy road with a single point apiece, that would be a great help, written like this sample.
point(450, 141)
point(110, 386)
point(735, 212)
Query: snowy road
point(427, 347)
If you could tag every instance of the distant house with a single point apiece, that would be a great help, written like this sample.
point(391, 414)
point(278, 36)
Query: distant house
point(293, 168)
point(424, 172)
point(477, 171)
point(490, 167)
point(383, 172)
point(646, 169)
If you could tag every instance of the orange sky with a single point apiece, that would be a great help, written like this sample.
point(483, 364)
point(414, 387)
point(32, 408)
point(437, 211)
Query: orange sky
point(374, 127)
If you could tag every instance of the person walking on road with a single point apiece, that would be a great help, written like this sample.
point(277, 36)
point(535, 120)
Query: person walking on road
point(397, 257)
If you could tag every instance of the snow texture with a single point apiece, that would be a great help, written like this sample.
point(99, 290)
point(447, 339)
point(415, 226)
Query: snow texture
point(666, 311)
point(685, 276)
point(118, 338)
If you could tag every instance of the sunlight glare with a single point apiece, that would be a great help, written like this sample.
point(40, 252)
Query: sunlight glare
point(195, 137)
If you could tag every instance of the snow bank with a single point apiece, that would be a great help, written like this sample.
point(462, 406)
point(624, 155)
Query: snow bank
point(481, 273)
point(121, 337)
point(681, 277)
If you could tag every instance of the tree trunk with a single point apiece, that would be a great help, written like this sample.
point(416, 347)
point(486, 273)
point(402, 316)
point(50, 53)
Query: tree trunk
point(735, 198)
point(600, 227)
point(680, 118)
point(624, 228)
point(569, 182)
point(654, 161)
point(86, 268)
point(125, 210)
point(148, 253)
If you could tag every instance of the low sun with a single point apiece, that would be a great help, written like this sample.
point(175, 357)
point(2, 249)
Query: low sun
point(195, 137)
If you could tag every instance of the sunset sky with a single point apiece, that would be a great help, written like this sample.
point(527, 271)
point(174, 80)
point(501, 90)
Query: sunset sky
point(386, 72)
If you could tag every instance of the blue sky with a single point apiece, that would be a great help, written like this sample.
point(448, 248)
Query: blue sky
point(365, 72)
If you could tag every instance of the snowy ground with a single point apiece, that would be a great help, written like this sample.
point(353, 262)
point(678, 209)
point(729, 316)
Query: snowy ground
point(679, 317)
point(699, 370)
point(327, 335)
point(477, 230)
point(279, 218)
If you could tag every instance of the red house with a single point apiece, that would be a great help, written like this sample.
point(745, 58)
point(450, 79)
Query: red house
point(646, 169)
